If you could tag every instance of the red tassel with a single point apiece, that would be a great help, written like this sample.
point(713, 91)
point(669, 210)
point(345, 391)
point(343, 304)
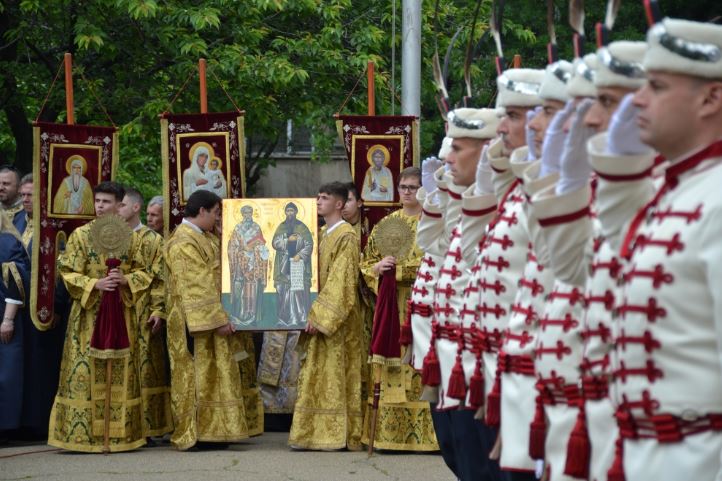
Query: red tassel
point(616, 472)
point(431, 372)
point(579, 449)
point(537, 431)
point(493, 403)
point(457, 381)
point(476, 386)
point(405, 337)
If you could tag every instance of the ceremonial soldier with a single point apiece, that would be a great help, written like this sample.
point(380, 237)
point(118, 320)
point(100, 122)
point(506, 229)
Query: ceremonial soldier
point(558, 348)
point(581, 256)
point(666, 372)
point(511, 401)
point(451, 363)
point(502, 254)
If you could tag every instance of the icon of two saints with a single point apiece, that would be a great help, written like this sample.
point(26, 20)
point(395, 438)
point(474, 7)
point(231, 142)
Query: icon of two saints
point(248, 258)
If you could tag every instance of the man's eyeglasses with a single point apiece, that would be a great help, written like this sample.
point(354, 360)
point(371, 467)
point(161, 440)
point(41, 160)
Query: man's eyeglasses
point(408, 188)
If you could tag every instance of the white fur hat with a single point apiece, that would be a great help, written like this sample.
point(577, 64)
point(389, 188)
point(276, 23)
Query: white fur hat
point(519, 87)
point(582, 82)
point(554, 85)
point(619, 64)
point(445, 148)
point(689, 48)
point(472, 123)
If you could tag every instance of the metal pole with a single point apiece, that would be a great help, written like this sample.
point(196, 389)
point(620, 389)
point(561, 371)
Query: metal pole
point(411, 58)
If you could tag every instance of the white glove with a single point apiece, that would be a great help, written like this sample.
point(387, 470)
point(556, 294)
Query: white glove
point(428, 167)
point(484, 184)
point(539, 468)
point(623, 137)
point(575, 168)
point(554, 141)
point(530, 134)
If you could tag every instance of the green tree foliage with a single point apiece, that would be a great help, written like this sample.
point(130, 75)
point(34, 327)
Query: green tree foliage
point(278, 60)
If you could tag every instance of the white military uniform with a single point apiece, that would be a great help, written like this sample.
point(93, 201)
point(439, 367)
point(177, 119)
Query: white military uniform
point(454, 344)
point(515, 377)
point(432, 237)
point(667, 372)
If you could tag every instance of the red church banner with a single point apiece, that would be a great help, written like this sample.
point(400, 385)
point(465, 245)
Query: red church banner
point(68, 162)
point(378, 149)
point(201, 152)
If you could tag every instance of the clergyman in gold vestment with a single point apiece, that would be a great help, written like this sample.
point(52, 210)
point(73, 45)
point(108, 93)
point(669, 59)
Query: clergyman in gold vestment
point(76, 420)
point(404, 422)
point(207, 380)
point(328, 410)
point(150, 311)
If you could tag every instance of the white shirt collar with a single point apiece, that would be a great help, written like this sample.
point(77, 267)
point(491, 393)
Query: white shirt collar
point(192, 225)
point(138, 227)
point(330, 229)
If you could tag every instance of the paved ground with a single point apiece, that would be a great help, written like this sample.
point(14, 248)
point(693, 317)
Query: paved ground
point(266, 458)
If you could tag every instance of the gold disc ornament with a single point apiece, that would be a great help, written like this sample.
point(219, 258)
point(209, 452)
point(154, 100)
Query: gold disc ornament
point(110, 235)
point(394, 237)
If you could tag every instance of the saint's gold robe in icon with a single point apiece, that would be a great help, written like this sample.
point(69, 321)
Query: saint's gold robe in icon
point(207, 391)
point(328, 410)
point(404, 422)
point(76, 420)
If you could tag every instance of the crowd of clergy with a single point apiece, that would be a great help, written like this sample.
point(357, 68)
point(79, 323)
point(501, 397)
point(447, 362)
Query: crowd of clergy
point(562, 297)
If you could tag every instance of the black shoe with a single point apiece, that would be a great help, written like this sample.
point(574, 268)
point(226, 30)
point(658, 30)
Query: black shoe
point(209, 446)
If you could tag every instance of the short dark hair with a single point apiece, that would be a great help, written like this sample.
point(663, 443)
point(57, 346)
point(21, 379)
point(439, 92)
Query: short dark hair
point(13, 169)
point(200, 199)
point(110, 187)
point(135, 195)
point(336, 189)
point(410, 172)
point(353, 190)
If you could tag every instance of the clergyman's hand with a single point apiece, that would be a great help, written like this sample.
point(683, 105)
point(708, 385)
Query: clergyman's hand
point(106, 284)
point(385, 264)
point(310, 329)
point(155, 324)
point(225, 330)
point(118, 276)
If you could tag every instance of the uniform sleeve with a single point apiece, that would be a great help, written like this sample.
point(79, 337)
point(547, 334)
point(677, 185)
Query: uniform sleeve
point(476, 213)
point(338, 297)
point(625, 186)
point(566, 225)
point(710, 255)
point(194, 278)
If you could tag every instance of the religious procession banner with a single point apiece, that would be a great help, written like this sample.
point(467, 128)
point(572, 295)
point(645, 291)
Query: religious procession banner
point(68, 162)
point(201, 152)
point(269, 262)
point(378, 149)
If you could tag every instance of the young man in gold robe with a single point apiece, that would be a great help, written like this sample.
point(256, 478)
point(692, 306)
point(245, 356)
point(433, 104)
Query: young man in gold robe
point(207, 379)
point(76, 420)
point(328, 410)
point(150, 311)
point(404, 422)
point(352, 213)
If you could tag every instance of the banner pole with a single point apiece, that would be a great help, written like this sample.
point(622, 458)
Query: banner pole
point(69, 89)
point(371, 89)
point(202, 75)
